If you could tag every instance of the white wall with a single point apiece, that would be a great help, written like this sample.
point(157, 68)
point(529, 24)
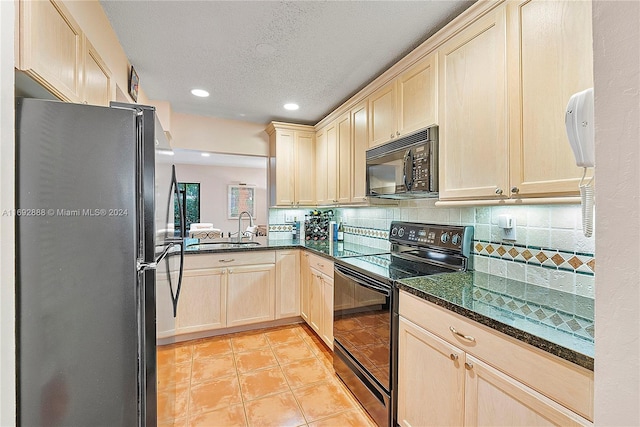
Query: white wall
point(218, 135)
point(7, 251)
point(213, 192)
point(616, 41)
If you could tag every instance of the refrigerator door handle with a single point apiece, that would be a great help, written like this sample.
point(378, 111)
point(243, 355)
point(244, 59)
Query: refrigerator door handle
point(143, 266)
point(174, 298)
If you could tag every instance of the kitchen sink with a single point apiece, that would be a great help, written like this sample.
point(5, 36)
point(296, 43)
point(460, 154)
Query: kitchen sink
point(222, 245)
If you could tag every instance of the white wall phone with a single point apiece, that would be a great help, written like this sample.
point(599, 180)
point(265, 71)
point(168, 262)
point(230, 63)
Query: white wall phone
point(579, 121)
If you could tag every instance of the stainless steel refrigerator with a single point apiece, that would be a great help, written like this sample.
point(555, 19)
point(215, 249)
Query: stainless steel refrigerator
point(94, 217)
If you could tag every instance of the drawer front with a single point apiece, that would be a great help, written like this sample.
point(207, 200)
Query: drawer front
point(228, 259)
point(321, 264)
point(558, 379)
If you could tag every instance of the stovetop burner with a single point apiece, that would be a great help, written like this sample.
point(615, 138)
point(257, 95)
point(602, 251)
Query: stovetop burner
point(417, 250)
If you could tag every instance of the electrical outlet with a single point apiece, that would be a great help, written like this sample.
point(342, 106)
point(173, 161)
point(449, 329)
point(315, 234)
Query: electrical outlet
point(288, 217)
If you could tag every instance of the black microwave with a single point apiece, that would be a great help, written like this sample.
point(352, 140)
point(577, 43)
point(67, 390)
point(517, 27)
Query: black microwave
point(405, 168)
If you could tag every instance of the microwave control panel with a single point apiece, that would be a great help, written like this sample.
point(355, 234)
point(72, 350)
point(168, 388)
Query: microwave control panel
point(421, 168)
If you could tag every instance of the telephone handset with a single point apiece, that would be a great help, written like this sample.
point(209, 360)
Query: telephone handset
point(579, 121)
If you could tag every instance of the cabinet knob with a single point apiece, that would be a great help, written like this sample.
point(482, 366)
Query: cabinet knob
point(230, 271)
point(391, 136)
point(453, 356)
point(398, 133)
point(499, 191)
point(515, 190)
point(468, 366)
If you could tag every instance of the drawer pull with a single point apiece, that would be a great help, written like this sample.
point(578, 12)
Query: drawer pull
point(453, 357)
point(320, 265)
point(463, 336)
point(227, 260)
point(468, 365)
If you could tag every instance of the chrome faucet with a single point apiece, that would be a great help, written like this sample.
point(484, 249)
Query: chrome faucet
point(240, 232)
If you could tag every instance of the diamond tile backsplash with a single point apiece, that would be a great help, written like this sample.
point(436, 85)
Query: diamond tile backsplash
point(550, 249)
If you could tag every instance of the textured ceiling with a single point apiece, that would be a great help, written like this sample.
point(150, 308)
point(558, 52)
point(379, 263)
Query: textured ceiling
point(254, 56)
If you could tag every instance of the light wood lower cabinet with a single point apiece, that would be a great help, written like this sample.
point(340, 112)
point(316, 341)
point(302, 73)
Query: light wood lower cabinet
point(250, 294)
point(202, 303)
point(220, 290)
point(317, 295)
point(495, 399)
point(430, 383)
point(444, 379)
point(287, 284)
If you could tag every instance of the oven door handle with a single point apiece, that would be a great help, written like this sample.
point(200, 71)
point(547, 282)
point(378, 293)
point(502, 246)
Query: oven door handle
point(379, 289)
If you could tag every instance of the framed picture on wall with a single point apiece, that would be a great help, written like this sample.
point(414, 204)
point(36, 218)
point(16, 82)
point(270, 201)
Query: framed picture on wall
point(241, 198)
point(134, 83)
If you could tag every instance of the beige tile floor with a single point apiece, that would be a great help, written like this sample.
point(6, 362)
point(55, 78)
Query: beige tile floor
point(272, 377)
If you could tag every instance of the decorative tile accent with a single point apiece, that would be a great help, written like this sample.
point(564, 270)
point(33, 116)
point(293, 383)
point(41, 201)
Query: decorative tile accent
point(544, 257)
point(567, 322)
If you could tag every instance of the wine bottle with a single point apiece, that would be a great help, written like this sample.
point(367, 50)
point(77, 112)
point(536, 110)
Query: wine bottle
point(341, 232)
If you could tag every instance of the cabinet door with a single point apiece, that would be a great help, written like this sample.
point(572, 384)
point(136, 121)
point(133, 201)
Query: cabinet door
point(417, 89)
point(332, 163)
point(51, 48)
point(315, 301)
point(343, 179)
point(495, 399)
point(430, 379)
point(287, 284)
point(359, 145)
point(321, 167)
point(202, 302)
point(305, 184)
point(305, 286)
point(285, 168)
point(327, 310)
point(472, 110)
point(97, 78)
point(250, 294)
point(550, 58)
point(383, 123)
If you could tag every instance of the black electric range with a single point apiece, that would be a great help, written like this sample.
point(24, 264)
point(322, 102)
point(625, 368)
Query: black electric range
point(365, 311)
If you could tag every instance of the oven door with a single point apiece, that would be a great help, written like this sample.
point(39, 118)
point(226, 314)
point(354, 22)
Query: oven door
point(362, 322)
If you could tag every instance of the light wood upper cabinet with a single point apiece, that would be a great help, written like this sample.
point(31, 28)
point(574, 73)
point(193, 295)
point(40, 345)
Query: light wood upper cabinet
point(332, 163)
point(343, 143)
point(56, 53)
point(406, 104)
point(51, 48)
point(287, 284)
point(359, 146)
point(305, 168)
point(417, 89)
point(383, 114)
point(321, 166)
point(97, 78)
point(531, 56)
point(472, 110)
point(550, 58)
point(250, 294)
point(292, 164)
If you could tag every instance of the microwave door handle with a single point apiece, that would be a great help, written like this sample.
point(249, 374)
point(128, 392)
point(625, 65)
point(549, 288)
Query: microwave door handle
point(408, 170)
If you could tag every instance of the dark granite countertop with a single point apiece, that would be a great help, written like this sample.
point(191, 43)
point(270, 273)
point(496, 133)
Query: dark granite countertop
point(554, 321)
point(326, 249)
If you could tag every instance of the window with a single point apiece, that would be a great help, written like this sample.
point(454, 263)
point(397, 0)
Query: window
point(190, 200)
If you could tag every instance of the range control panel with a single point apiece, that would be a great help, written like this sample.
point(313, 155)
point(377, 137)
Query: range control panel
point(454, 238)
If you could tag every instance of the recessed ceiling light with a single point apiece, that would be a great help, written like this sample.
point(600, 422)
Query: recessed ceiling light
point(166, 152)
point(291, 106)
point(205, 154)
point(200, 92)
